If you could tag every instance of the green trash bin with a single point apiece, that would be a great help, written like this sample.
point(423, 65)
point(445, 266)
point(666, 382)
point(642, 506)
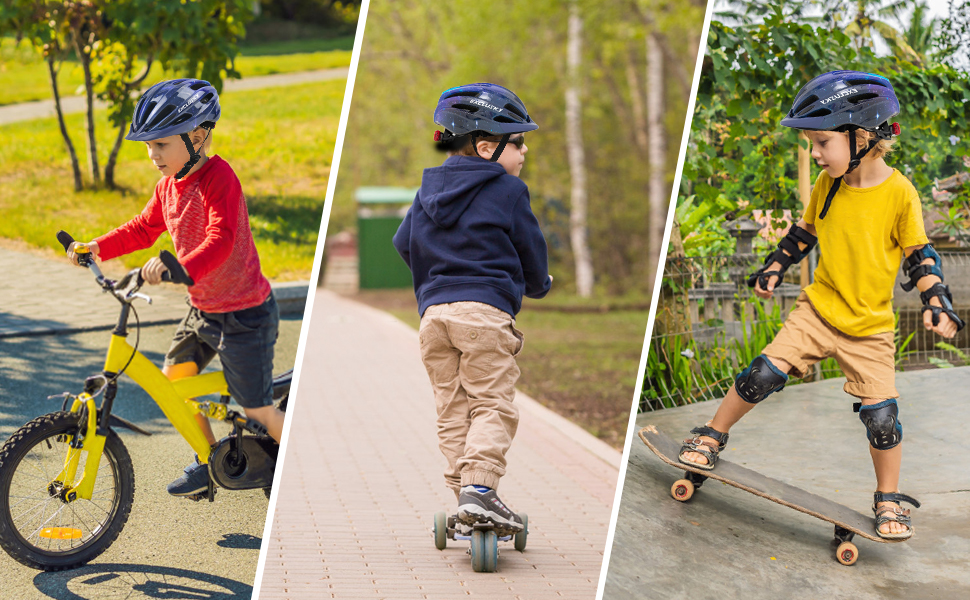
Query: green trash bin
point(380, 211)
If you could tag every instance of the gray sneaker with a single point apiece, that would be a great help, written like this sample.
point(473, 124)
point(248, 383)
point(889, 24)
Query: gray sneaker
point(486, 507)
point(194, 481)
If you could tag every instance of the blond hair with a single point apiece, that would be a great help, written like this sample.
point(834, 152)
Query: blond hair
point(882, 147)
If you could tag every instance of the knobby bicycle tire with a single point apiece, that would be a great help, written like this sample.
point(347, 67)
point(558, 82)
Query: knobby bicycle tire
point(52, 430)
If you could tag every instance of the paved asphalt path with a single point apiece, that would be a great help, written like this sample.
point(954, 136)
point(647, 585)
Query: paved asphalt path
point(170, 548)
point(363, 479)
point(726, 543)
point(13, 113)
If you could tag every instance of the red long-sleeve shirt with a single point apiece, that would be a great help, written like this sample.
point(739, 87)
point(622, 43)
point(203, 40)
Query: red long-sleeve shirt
point(207, 217)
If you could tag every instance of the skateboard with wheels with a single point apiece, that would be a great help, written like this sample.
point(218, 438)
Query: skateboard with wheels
point(848, 523)
point(484, 539)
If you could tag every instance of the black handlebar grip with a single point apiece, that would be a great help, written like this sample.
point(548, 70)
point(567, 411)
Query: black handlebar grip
point(65, 239)
point(176, 271)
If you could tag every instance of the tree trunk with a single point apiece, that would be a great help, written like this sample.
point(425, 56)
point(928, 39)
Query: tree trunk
point(85, 59)
point(673, 306)
point(636, 101)
point(577, 158)
point(52, 72)
point(657, 135)
point(109, 167)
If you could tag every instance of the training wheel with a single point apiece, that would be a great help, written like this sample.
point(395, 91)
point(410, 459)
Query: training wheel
point(520, 537)
point(682, 490)
point(847, 553)
point(440, 530)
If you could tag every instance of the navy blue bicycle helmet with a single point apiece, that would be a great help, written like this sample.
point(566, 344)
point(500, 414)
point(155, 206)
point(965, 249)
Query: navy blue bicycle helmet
point(846, 101)
point(176, 107)
point(481, 110)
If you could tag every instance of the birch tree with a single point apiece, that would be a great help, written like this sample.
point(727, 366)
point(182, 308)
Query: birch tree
point(577, 157)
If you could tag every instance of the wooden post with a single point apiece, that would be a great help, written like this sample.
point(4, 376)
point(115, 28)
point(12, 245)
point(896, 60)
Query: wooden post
point(804, 192)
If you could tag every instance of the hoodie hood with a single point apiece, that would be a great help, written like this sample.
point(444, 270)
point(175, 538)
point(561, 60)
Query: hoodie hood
point(447, 191)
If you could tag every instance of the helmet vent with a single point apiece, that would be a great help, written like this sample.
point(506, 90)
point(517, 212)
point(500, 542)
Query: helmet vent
point(862, 97)
point(503, 119)
point(863, 82)
point(807, 103)
point(467, 93)
point(182, 118)
point(197, 85)
point(468, 107)
point(514, 110)
point(161, 116)
point(205, 99)
point(822, 112)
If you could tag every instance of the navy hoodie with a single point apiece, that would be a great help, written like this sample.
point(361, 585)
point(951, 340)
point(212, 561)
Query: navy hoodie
point(471, 236)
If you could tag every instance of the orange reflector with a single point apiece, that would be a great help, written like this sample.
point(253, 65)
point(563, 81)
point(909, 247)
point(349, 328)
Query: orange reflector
point(61, 533)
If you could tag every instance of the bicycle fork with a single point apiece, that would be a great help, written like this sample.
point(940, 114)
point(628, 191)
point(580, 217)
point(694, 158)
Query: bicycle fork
point(88, 440)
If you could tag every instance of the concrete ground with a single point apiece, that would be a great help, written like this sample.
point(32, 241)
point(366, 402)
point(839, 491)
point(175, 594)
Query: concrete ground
point(362, 480)
point(727, 543)
point(170, 547)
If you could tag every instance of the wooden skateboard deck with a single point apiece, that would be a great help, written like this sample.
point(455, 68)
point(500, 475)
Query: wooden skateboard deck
point(842, 517)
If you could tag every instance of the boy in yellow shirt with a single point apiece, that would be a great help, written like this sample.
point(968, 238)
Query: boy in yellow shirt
point(865, 215)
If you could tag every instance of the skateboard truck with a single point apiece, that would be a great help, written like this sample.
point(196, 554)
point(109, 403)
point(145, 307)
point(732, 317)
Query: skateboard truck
point(484, 538)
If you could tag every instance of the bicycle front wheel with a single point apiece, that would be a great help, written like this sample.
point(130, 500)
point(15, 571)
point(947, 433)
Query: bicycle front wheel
point(38, 527)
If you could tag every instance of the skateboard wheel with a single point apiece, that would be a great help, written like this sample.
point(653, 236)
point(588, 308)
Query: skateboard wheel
point(521, 536)
point(682, 490)
point(491, 551)
point(440, 530)
point(477, 551)
point(847, 553)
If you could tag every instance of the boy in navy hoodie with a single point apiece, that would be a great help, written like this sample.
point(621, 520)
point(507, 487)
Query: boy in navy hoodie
point(474, 248)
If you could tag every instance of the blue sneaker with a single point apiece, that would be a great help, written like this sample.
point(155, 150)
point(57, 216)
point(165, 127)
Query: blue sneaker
point(194, 481)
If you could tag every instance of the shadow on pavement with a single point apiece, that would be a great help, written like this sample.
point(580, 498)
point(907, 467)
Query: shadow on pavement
point(33, 368)
point(240, 541)
point(138, 581)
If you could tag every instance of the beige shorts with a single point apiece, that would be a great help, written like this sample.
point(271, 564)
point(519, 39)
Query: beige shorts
point(868, 362)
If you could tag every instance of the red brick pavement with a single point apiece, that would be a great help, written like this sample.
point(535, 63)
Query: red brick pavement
point(362, 480)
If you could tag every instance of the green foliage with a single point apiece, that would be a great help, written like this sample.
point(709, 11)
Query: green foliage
point(413, 51)
point(945, 364)
point(738, 149)
point(700, 230)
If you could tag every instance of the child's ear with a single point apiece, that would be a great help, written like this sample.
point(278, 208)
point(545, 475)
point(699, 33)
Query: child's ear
point(197, 135)
point(484, 147)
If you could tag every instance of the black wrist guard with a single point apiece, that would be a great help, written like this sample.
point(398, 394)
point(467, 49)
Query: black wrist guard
point(916, 271)
point(786, 254)
point(942, 292)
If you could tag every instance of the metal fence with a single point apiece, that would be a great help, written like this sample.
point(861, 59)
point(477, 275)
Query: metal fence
point(710, 325)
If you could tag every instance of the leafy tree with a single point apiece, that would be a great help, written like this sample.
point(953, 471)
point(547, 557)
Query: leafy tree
point(115, 42)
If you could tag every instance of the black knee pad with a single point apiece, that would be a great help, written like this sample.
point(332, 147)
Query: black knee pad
point(759, 380)
point(882, 423)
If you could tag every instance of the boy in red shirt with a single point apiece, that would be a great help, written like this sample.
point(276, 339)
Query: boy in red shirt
point(199, 201)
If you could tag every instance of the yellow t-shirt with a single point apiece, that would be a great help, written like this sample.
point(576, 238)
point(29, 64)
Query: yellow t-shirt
point(861, 241)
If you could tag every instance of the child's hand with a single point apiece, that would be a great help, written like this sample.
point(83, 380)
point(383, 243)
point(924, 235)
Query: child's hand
point(766, 294)
point(946, 327)
point(92, 247)
point(152, 271)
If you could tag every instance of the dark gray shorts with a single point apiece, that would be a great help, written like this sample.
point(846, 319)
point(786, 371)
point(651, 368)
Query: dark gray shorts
point(243, 339)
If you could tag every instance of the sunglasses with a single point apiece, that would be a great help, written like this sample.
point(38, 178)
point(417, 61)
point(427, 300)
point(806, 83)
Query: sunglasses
point(518, 141)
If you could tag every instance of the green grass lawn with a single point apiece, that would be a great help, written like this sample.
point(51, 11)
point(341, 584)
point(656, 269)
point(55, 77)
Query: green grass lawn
point(581, 365)
point(280, 142)
point(24, 78)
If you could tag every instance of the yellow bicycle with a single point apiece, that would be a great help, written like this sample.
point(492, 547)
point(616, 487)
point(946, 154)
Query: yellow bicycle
point(66, 479)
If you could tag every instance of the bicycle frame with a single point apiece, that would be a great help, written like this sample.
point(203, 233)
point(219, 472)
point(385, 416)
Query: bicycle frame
point(175, 398)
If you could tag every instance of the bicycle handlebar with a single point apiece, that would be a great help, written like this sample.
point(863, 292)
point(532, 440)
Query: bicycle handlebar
point(176, 273)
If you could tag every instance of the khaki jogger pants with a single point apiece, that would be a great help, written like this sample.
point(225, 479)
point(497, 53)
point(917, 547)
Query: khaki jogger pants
point(469, 350)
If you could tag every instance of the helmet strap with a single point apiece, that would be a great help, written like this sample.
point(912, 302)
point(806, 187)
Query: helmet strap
point(194, 156)
point(856, 156)
point(828, 198)
point(498, 151)
point(501, 147)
